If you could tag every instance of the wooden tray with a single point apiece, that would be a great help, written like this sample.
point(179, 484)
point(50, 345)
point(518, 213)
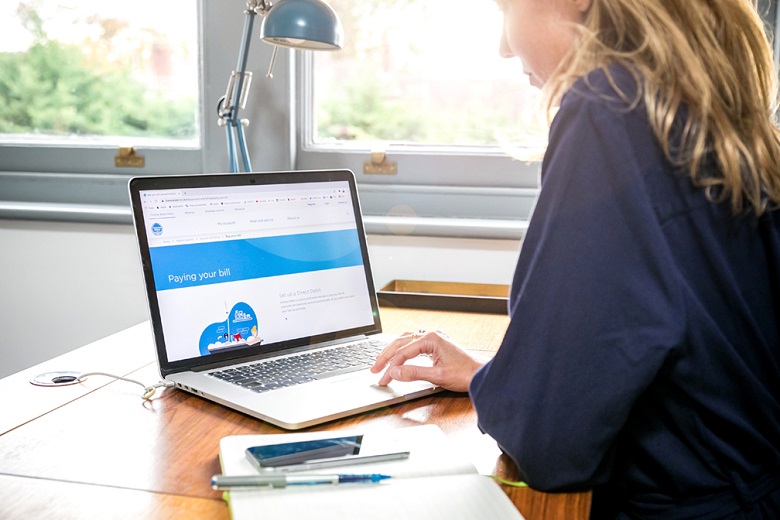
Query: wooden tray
point(448, 296)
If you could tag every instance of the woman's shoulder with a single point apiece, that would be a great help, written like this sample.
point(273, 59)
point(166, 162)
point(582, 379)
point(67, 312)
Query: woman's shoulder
point(605, 98)
point(617, 86)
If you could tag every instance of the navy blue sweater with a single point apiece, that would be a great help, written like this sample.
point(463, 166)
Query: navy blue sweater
point(642, 358)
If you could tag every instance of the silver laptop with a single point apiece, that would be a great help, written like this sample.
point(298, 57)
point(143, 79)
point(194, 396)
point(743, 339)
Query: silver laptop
point(260, 293)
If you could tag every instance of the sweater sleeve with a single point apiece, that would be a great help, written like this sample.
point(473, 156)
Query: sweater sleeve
point(596, 307)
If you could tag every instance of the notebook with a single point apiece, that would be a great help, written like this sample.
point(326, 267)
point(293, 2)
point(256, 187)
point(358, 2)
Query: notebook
point(254, 280)
point(435, 482)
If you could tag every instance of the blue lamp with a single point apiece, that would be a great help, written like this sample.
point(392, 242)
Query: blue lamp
point(297, 24)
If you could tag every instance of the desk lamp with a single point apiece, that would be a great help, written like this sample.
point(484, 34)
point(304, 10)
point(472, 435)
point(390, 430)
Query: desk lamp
point(297, 24)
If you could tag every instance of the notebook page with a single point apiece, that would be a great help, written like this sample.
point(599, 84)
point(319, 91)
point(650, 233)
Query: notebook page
point(434, 483)
point(452, 497)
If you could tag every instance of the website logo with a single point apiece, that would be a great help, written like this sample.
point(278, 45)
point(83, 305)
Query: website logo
point(157, 229)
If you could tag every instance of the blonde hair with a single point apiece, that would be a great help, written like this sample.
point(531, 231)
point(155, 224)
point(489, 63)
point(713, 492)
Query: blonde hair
point(708, 58)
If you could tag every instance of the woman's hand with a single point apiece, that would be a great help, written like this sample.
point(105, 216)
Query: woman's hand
point(452, 367)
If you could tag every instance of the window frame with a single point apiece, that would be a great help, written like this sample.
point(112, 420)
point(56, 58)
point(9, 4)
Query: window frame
point(58, 155)
point(81, 183)
point(438, 191)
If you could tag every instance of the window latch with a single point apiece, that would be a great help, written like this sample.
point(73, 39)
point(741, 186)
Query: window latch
point(380, 165)
point(128, 158)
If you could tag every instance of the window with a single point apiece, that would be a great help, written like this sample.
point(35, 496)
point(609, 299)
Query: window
point(78, 79)
point(423, 81)
point(423, 72)
point(75, 178)
point(96, 72)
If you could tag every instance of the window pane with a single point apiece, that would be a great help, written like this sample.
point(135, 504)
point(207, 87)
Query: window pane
point(88, 71)
point(422, 72)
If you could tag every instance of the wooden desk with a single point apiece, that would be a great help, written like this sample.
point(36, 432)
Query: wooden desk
point(97, 450)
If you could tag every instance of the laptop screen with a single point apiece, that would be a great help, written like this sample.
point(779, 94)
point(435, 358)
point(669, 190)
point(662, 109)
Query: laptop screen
point(243, 264)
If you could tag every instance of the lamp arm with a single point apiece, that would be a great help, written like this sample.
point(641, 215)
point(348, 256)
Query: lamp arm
point(236, 96)
point(231, 148)
point(243, 56)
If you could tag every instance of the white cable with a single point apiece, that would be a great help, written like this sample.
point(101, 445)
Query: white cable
point(149, 391)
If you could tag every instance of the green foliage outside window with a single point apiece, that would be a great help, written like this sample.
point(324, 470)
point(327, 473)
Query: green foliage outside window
point(52, 89)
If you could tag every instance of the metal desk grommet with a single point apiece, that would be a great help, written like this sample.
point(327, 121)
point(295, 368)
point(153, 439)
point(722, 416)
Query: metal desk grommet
point(61, 378)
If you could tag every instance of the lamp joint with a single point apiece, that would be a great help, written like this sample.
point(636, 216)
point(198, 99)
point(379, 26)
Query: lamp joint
point(258, 6)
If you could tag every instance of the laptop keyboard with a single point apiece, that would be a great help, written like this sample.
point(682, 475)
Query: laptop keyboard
point(302, 368)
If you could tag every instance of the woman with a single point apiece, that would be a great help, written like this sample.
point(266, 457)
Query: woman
point(642, 359)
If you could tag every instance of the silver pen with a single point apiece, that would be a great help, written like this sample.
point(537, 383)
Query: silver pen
point(280, 481)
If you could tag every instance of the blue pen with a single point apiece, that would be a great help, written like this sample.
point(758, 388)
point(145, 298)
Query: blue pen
point(280, 481)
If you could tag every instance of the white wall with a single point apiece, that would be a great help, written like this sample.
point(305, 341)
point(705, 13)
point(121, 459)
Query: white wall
point(441, 259)
point(64, 285)
point(67, 284)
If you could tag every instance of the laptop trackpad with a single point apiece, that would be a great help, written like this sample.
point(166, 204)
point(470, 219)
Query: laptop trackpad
point(368, 382)
point(362, 386)
point(338, 397)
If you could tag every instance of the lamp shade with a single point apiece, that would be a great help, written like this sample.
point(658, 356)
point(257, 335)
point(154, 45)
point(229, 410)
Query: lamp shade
point(302, 24)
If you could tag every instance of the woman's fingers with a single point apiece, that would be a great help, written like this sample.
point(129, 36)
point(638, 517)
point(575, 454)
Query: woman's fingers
point(452, 367)
point(401, 355)
point(390, 350)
